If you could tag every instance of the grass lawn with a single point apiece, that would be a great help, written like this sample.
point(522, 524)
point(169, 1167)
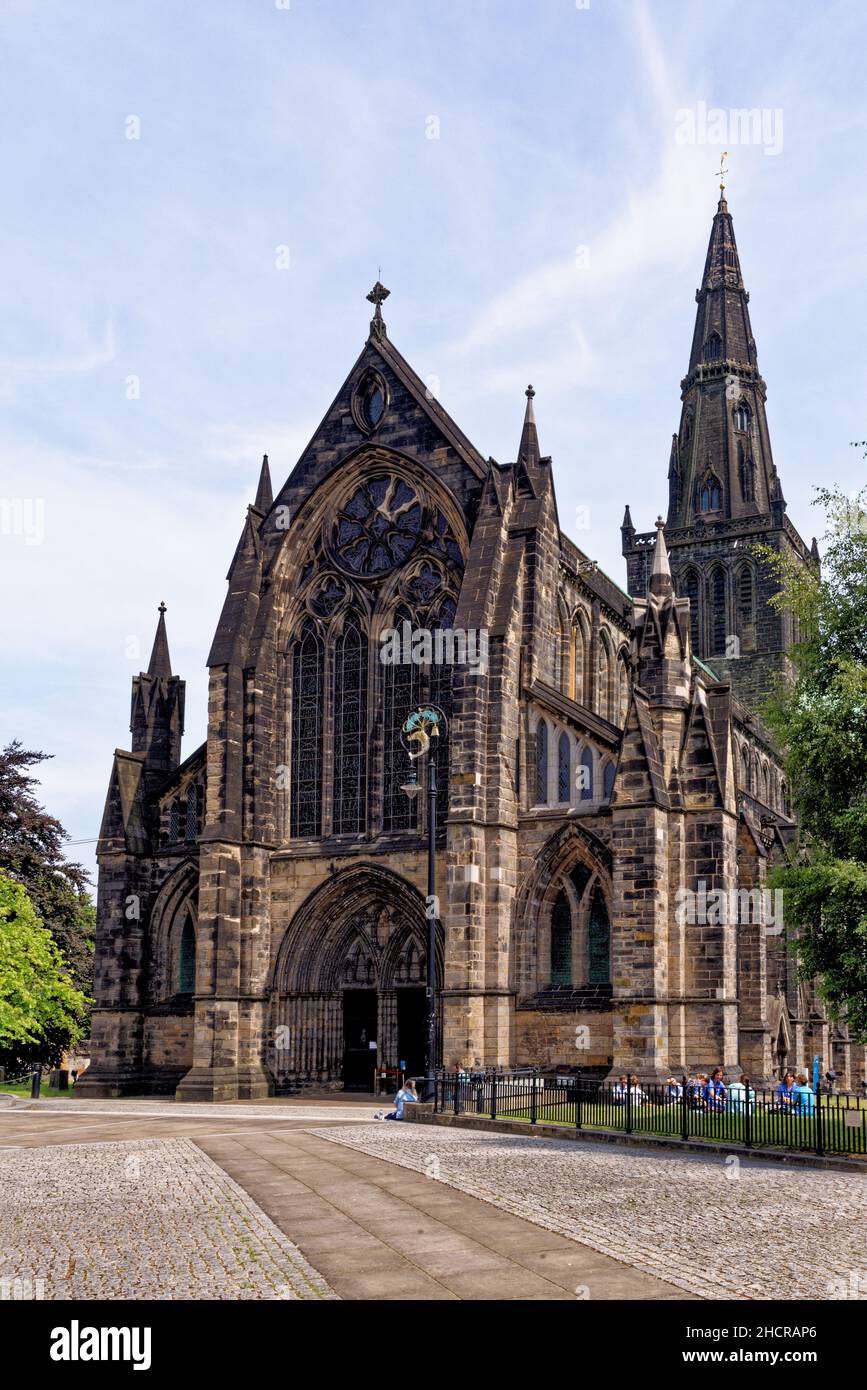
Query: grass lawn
point(22, 1088)
point(766, 1128)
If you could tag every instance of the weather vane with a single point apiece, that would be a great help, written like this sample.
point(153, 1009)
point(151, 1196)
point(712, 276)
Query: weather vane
point(722, 171)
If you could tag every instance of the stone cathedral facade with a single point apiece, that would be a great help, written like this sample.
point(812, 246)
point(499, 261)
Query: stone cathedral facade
point(261, 908)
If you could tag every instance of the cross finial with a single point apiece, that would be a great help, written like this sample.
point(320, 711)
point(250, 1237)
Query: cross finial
point(376, 297)
point(529, 393)
point(722, 171)
point(161, 610)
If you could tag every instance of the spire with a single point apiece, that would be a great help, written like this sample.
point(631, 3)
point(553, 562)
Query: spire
point(264, 495)
point(528, 451)
point(720, 465)
point(160, 663)
point(626, 523)
point(660, 574)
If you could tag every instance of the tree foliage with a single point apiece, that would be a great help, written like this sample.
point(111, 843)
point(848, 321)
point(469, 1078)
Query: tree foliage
point(31, 852)
point(821, 722)
point(41, 1011)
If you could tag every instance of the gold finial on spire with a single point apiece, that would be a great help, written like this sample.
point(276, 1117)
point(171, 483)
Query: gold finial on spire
point(722, 171)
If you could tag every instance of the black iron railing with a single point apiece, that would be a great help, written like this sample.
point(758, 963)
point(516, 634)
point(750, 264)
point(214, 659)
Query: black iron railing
point(798, 1119)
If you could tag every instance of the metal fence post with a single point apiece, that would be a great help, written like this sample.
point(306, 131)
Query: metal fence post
point(819, 1146)
point(534, 1102)
point(578, 1103)
point(493, 1095)
point(748, 1128)
point(456, 1100)
point(629, 1105)
point(684, 1112)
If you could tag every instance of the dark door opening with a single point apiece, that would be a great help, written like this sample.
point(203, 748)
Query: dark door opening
point(412, 1029)
point(359, 1031)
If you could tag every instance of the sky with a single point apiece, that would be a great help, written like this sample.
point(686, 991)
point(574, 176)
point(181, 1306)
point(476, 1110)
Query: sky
point(198, 197)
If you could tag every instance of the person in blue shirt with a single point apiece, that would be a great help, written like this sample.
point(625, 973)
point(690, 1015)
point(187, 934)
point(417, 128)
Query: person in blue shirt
point(405, 1096)
point(784, 1095)
point(715, 1091)
point(673, 1090)
point(805, 1101)
point(741, 1095)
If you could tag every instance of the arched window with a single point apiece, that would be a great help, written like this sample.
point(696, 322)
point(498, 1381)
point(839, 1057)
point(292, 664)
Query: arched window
point(746, 475)
point(561, 941)
point(174, 821)
point(565, 671)
point(350, 730)
point(710, 495)
point(718, 622)
point(564, 777)
point(713, 348)
point(745, 592)
point(401, 696)
point(542, 763)
point(692, 590)
point(598, 941)
point(745, 768)
point(622, 688)
point(441, 696)
point(587, 775)
point(686, 428)
point(603, 687)
point(187, 960)
point(742, 417)
point(578, 664)
point(191, 824)
point(608, 780)
point(306, 762)
point(784, 798)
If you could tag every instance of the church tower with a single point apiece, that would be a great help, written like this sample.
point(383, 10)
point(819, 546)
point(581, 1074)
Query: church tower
point(724, 493)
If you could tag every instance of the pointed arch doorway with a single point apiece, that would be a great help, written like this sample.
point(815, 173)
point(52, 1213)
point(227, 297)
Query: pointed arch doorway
point(348, 990)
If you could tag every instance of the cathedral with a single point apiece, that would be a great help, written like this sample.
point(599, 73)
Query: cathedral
point(606, 780)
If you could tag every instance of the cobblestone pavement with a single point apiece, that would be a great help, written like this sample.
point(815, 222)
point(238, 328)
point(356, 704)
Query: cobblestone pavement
point(147, 1219)
point(172, 1110)
point(716, 1227)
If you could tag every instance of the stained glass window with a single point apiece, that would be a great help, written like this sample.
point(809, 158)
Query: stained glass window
point(441, 695)
point(561, 941)
point(187, 960)
point(542, 764)
point(350, 730)
point(400, 697)
point(378, 527)
point(306, 762)
point(564, 789)
point(598, 941)
point(587, 775)
point(191, 827)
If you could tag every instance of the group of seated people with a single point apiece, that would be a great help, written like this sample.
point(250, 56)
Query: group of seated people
point(793, 1096)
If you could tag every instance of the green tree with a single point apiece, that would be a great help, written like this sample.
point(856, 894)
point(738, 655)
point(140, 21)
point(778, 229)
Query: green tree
point(41, 1011)
point(821, 722)
point(31, 852)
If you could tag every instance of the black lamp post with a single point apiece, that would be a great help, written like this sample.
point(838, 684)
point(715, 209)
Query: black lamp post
point(423, 732)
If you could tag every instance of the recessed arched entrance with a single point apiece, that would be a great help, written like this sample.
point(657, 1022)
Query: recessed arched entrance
point(348, 989)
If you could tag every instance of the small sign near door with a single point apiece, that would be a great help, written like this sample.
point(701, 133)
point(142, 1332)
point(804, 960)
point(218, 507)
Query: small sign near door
point(372, 1045)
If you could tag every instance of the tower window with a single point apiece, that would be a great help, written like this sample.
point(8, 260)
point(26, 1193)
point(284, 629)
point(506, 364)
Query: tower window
point(174, 821)
point(691, 591)
point(745, 599)
point(746, 474)
point(718, 612)
point(710, 497)
point(713, 348)
point(742, 417)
